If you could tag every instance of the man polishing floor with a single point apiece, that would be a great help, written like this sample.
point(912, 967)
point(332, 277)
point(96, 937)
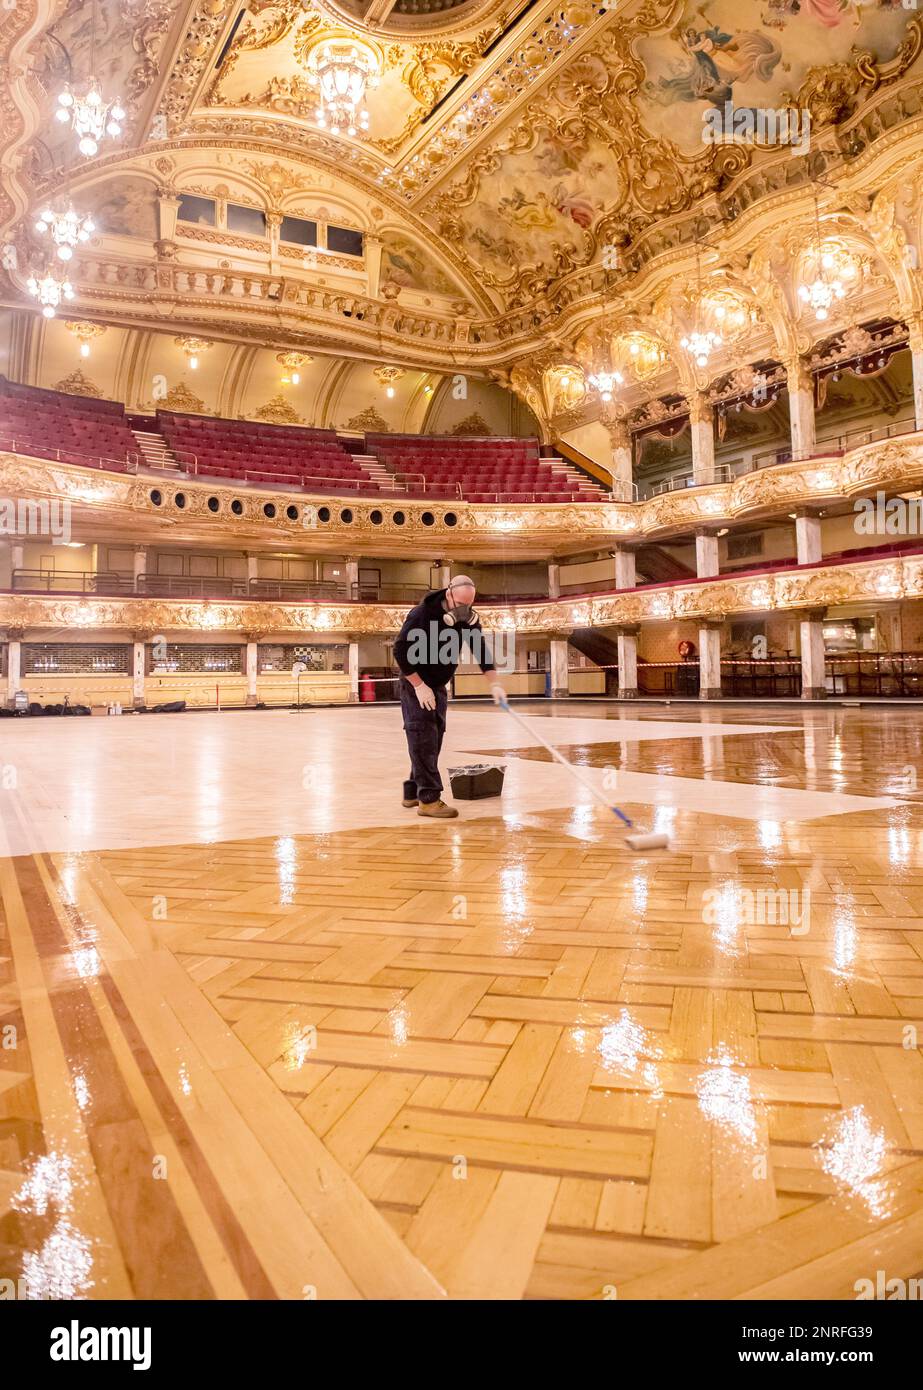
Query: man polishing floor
point(427, 652)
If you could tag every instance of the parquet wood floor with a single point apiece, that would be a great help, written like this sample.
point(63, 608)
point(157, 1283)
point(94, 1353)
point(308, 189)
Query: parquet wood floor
point(489, 1058)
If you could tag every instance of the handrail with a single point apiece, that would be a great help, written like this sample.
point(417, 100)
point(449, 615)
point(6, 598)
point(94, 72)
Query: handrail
point(386, 593)
point(77, 581)
point(323, 591)
point(588, 465)
point(21, 446)
point(721, 474)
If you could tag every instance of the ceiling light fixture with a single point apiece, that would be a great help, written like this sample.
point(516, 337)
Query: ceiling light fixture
point(607, 378)
point(605, 383)
point(344, 72)
point(68, 229)
point(387, 376)
point(700, 343)
point(193, 348)
point(91, 118)
point(85, 333)
point(50, 292)
point(292, 362)
point(821, 293)
point(89, 115)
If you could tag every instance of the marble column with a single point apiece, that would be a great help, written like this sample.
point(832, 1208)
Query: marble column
point(273, 225)
point(442, 573)
point(813, 663)
point(621, 465)
point(13, 661)
point(17, 557)
point(702, 430)
point(710, 659)
point(372, 249)
point(253, 665)
point(916, 359)
point(801, 407)
point(352, 666)
point(253, 569)
point(352, 577)
point(706, 553)
point(138, 662)
point(554, 581)
point(807, 537)
point(626, 576)
point(138, 565)
point(627, 639)
point(560, 687)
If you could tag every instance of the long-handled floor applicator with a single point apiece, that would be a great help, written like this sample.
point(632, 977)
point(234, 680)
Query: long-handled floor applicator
point(652, 840)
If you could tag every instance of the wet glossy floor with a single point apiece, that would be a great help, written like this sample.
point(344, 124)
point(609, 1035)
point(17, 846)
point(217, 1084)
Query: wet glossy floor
point(255, 1043)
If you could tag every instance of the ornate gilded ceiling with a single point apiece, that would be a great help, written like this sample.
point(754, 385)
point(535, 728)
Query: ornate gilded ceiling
point(534, 188)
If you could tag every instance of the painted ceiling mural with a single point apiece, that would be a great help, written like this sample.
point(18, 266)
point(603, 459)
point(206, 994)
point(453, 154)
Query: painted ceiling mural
point(509, 149)
point(126, 207)
point(617, 138)
point(119, 41)
point(406, 263)
point(753, 54)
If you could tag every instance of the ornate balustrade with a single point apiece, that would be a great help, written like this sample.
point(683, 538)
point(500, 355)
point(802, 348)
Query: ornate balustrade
point(378, 524)
point(797, 589)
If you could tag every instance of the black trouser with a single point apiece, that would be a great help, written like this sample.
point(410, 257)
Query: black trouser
point(425, 729)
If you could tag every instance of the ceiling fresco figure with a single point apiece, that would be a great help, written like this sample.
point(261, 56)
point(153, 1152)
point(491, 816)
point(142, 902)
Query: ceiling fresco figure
point(718, 61)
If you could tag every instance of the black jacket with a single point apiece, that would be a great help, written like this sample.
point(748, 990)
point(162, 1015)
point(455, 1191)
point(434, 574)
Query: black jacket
point(430, 647)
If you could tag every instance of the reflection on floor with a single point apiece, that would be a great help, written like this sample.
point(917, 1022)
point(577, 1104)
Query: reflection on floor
point(495, 1058)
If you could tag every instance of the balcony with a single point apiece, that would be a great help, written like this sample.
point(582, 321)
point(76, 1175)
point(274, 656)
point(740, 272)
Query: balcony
point(110, 583)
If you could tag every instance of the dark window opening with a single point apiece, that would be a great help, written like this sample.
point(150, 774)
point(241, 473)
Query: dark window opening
point(344, 241)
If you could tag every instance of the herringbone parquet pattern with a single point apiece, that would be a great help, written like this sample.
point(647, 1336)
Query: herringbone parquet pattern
point(484, 1059)
point(542, 1067)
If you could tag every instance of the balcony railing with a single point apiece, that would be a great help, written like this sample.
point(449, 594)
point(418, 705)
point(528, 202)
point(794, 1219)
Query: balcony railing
point(128, 463)
point(826, 447)
point(387, 593)
point(898, 675)
point(112, 582)
point(106, 582)
point(720, 474)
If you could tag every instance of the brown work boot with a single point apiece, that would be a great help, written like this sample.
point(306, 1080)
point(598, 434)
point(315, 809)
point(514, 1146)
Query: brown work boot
point(438, 809)
point(409, 802)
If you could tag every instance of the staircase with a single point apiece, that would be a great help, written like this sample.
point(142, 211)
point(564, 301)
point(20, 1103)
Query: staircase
point(380, 476)
point(156, 452)
point(600, 649)
point(583, 487)
point(660, 567)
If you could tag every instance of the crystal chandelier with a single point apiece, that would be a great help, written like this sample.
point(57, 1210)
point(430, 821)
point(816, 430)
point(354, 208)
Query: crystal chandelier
point(50, 292)
point(700, 346)
point(605, 383)
point(343, 72)
point(67, 229)
point(820, 293)
point(91, 117)
point(824, 288)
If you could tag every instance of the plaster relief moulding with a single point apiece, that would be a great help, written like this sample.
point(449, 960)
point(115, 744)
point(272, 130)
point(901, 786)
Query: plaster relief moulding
point(196, 50)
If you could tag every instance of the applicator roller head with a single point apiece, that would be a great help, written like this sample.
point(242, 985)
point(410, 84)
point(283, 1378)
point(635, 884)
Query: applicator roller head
point(650, 841)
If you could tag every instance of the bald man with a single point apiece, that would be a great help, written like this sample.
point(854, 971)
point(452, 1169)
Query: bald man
point(427, 652)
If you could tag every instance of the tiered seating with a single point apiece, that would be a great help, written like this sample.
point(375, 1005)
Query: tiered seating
point(287, 455)
point(487, 470)
point(71, 429)
point(75, 429)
